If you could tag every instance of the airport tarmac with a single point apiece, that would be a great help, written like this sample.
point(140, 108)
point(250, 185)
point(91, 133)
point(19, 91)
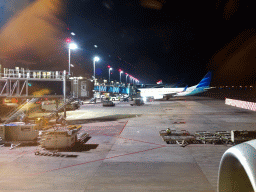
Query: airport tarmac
point(126, 152)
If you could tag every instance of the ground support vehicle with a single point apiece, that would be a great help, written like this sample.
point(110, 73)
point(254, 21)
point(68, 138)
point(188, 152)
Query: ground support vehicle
point(182, 137)
point(239, 136)
point(115, 98)
point(138, 102)
point(44, 121)
point(149, 99)
point(108, 104)
point(73, 106)
point(82, 137)
point(219, 137)
point(225, 136)
point(19, 132)
point(125, 99)
point(204, 137)
point(58, 136)
point(53, 154)
point(53, 105)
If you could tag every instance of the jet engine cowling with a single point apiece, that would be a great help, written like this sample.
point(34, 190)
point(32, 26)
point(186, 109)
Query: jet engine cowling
point(237, 170)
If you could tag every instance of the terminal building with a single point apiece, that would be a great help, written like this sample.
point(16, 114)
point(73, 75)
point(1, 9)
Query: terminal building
point(16, 83)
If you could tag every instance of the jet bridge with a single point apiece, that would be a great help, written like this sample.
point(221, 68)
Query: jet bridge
point(15, 82)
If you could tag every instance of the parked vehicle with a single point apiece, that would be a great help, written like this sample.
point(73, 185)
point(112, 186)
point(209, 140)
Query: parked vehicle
point(137, 101)
point(125, 99)
point(108, 104)
point(115, 98)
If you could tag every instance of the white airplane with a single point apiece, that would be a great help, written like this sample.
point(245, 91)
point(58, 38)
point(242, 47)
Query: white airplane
point(160, 93)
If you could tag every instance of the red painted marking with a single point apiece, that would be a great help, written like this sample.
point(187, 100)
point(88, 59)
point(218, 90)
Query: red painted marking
point(95, 161)
point(136, 140)
point(116, 156)
point(142, 141)
point(123, 128)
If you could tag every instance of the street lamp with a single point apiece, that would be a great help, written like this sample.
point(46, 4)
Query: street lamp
point(126, 77)
point(71, 46)
point(94, 60)
point(109, 73)
point(120, 75)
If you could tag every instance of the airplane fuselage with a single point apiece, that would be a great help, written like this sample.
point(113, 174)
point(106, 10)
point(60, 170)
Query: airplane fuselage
point(158, 93)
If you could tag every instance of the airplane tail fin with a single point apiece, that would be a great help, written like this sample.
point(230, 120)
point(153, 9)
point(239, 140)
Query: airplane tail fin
point(185, 88)
point(205, 82)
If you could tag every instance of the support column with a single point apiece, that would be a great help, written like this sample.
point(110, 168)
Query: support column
point(18, 88)
point(8, 87)
point(64, 92)
point(26, 87)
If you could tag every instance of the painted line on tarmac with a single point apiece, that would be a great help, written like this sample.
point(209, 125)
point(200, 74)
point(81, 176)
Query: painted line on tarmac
point(142, 141)
point(116, 156)
point(135, 140)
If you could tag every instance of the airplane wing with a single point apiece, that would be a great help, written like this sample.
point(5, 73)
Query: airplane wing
point(210, 88)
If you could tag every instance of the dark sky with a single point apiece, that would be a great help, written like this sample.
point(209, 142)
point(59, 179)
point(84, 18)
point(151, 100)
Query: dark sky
point(176, 41)
point(169, 40)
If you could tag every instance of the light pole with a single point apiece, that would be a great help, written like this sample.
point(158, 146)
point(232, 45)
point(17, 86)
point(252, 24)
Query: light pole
point(71, 46)
point(120, 75)
point(126, 77)
point(109, 73)
point(94, 60)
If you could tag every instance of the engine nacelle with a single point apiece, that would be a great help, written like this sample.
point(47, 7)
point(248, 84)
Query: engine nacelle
point(237, 170)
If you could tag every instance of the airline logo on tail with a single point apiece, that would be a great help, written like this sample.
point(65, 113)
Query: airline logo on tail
point(202, 86)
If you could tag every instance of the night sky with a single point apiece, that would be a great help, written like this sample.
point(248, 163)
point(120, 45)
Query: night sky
point(176, 41)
